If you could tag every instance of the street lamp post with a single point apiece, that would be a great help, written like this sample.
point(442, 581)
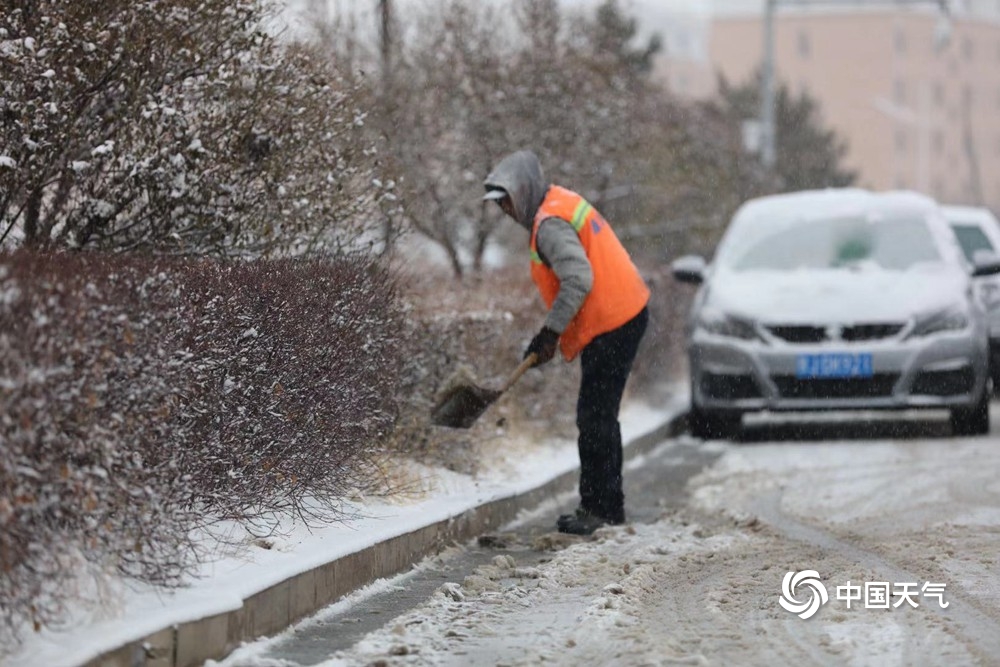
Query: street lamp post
point(768, 132)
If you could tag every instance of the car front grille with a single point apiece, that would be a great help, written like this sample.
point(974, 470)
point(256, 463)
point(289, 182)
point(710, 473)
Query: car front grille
point(798, 334)
point(805, 334)
point(870, 331)
point(879, 385)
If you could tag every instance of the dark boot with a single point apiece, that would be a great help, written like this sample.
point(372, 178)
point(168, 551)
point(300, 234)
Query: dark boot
point(583, 522)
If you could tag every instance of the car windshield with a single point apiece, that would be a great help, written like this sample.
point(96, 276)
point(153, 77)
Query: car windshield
point(972, 239)
point(890, 243)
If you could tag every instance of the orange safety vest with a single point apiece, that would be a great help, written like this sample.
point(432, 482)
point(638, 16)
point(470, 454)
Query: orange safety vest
point(618, 293)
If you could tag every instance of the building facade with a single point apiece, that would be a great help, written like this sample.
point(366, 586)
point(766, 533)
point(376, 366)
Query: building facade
point(916, 97)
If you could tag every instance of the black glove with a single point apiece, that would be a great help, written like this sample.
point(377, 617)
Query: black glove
point(544, 345)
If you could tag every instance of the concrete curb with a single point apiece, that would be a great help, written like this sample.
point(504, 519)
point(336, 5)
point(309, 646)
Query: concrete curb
point(274, 609)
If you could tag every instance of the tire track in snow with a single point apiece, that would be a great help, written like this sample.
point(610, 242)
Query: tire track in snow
point(978, 630)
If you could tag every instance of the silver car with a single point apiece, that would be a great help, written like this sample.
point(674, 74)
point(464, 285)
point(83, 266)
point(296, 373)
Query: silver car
point(978, 233)
point(840, 299)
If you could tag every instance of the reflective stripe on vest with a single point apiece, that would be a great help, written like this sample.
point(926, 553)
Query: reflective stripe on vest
point(618, 293)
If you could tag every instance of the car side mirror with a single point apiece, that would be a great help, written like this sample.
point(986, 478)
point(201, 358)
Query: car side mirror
point(985, 263)
point(689, 269)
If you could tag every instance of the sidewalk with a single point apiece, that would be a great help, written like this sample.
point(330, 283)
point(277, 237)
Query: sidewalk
point(278, 581)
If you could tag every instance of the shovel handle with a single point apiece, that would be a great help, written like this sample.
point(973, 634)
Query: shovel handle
point(528, 362)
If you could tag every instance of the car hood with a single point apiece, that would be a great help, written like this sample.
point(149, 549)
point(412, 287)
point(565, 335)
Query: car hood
point(832, 296)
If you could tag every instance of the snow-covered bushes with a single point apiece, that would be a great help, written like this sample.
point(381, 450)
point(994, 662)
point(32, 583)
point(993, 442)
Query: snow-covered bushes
point(178, 125)
point(141, 398)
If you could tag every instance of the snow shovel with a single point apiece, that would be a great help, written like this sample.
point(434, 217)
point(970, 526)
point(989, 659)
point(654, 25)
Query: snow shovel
point(461, 405)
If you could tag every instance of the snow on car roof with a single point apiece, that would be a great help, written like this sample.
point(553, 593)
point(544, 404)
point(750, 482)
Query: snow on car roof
point(833, 202)
point(974, 214)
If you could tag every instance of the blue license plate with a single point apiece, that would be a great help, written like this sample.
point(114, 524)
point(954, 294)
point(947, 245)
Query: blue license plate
point(834, 365)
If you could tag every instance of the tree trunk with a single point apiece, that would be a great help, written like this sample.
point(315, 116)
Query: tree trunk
point(32, 213)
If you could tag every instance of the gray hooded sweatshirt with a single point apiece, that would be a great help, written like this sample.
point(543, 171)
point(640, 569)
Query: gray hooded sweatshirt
point(520, 175)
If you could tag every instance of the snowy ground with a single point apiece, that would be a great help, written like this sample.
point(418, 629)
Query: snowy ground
point(701, 586)
point(111, 613)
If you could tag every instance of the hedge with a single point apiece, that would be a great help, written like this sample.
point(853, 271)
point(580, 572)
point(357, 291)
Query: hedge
point(142, 398)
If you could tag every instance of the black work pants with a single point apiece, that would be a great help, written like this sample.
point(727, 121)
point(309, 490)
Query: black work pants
point(606, 363)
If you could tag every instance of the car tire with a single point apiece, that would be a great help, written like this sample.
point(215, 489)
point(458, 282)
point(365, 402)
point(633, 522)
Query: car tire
point(714, 425)
point(974, 420)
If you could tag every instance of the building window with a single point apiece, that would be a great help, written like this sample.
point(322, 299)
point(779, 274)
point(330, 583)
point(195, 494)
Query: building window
point(938, 93)
point(804, 46)
point(899, 38)
point(937, 142)
point(967, 97)
point(901, 142)
point(968, 49)
point(899, 92)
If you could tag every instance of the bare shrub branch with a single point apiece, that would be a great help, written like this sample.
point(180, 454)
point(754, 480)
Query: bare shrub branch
point(141, 398)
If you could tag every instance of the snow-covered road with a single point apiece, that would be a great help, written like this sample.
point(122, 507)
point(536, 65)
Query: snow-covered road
point(902, 534)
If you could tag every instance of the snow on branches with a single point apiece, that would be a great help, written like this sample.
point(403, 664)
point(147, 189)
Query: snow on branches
point(177, 125)
point(141, 399)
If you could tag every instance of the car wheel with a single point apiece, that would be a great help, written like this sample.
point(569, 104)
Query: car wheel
point(714, 425)
point(974, 420)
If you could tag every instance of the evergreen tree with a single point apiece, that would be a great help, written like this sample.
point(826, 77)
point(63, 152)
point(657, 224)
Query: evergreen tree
point(808, 154)
point(614, 35)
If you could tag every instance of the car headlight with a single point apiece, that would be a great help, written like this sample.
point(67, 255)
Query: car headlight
point(722, 324)
point(951, 319)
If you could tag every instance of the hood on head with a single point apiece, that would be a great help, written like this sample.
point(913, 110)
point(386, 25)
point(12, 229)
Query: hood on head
point(520, 175)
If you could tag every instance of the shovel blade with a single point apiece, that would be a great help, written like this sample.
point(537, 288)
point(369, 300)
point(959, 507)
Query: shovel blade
point(461, 406)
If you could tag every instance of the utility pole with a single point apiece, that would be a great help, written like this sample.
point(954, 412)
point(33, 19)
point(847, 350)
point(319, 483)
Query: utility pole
point(767, 125)
point(768, 131)
point(385, 39)
point(389, 228)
